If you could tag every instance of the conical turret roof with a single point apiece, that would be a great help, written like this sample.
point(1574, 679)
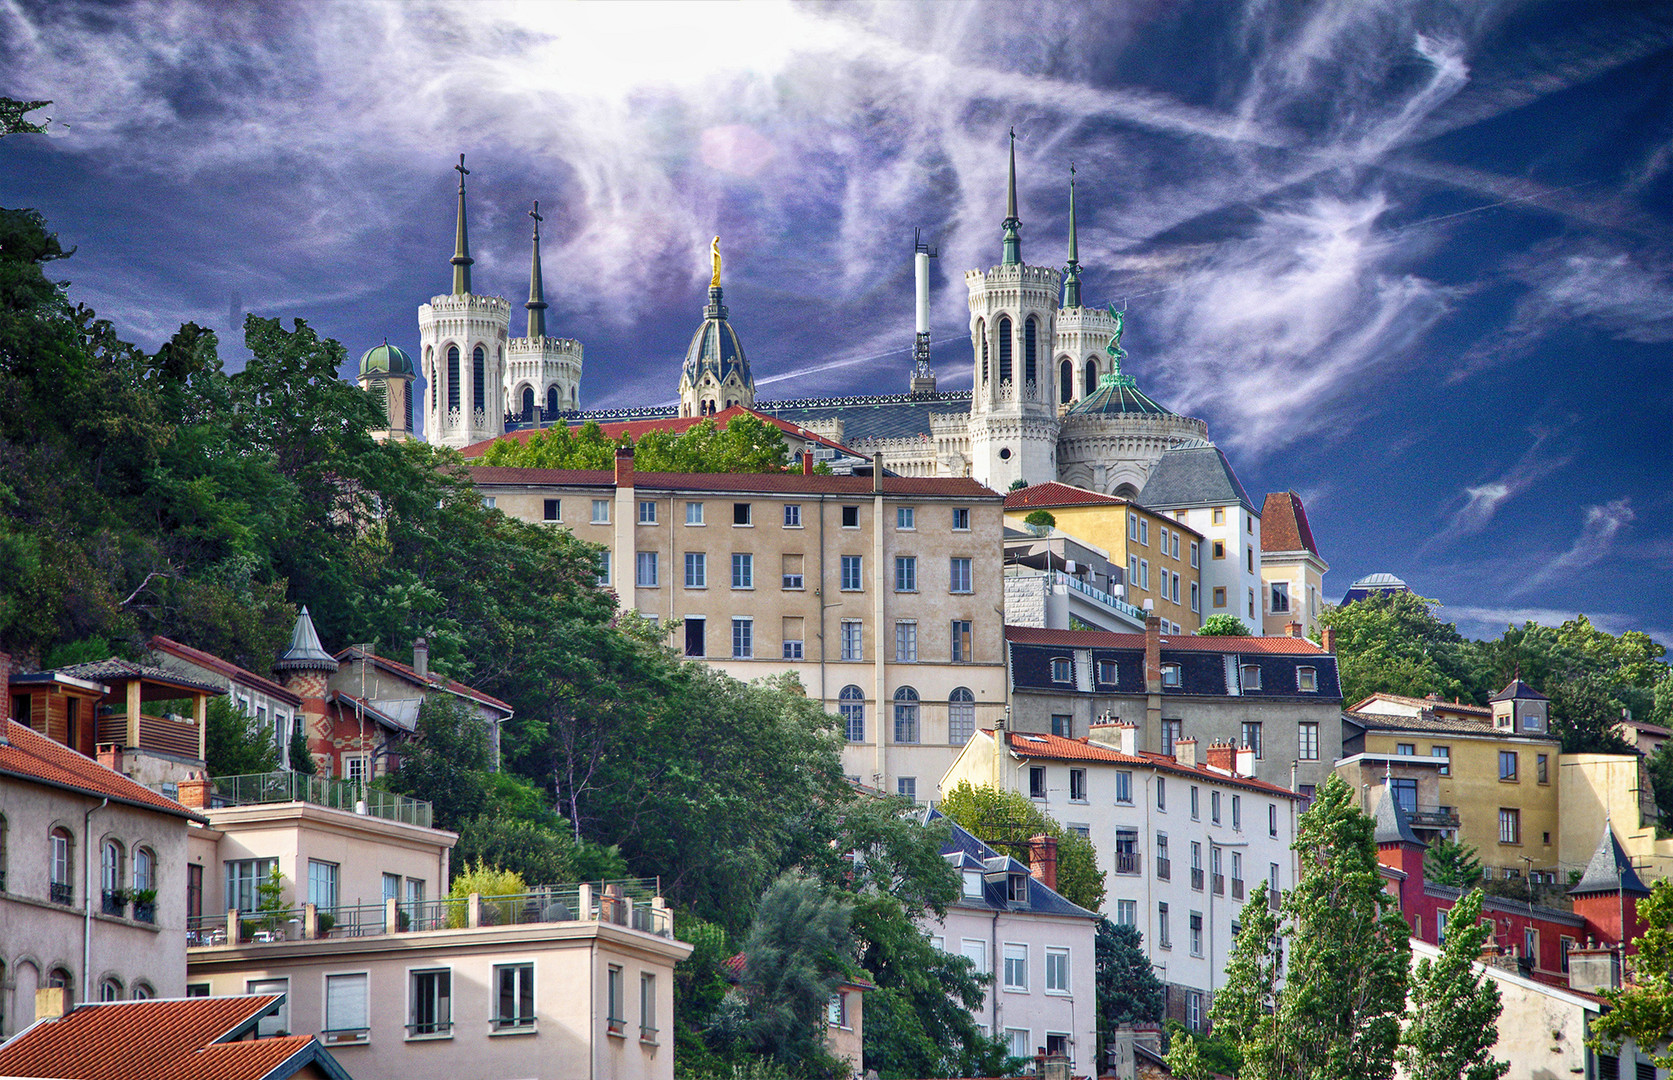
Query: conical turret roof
point(1392, 824)
point(305, 652)
point(1610, 870)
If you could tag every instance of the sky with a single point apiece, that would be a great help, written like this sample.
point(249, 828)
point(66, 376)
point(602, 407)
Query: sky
point(1411, 260)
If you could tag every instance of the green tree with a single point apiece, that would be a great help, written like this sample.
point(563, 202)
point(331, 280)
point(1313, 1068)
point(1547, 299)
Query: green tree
point(1452, 1010)
point(1223, 626)
point(446, 763)
point(12, 113)
point(1128, 990)
point(747, 444)
point(1452, 863)
point(300, 759)
point(1642, 1011)
point(1005, 820)
point(1584, 712)
point(233, 744)
point(796, 953)
point(1346, 962)
point(1041, 519)
point(1393, 643)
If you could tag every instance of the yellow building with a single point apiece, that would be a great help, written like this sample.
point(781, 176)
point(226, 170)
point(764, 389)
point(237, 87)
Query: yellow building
point(1292, 570)
point(1162, 557)
point(1613, 788)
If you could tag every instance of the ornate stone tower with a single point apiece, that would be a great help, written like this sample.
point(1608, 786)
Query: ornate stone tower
point(386, 373)
point(715, 375)
point(542, 374)
point(1013, 320)
point(464, 340)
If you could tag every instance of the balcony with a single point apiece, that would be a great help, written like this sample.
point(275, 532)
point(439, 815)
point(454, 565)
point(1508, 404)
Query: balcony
point(1219, 884)
point(1273, 898)
point(1433, 817)
point(1164, 868)
point(1126, 862)
point(171, 734)
point(114, 903)
point(1196, 878)
point(63, 893)
point(279, 787)
point(1237, 888)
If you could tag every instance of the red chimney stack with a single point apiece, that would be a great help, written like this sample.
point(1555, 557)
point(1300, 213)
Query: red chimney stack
point(1042, 859)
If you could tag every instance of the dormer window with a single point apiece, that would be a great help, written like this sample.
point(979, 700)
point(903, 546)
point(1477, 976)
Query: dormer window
point(1170, 674)
point(1016, 888)
point(973, 884)
point(1062, 670)
point(1108, 672)
point(1250, 674)
point(1307, 679)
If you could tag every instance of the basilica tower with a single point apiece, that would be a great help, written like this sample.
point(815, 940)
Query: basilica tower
point(1013, 321)
point(463, 337)
point(542, 374)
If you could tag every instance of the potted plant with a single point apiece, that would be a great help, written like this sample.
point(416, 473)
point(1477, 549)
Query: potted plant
point(325, 920)
point(1040, 522)
point(145, 905)
point(115, 902)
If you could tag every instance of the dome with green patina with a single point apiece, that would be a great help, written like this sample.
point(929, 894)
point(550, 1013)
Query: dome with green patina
point(1117, 395)
point(386, 359)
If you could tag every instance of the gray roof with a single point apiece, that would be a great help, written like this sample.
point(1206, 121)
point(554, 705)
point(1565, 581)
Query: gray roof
point(1518, 689)
point(114, 670)
point(883, 416)
point(305, 652)
point(1610, 870)
point(962, 849)
point(1429, 723)
point(1393, 827)
point(1194, 476)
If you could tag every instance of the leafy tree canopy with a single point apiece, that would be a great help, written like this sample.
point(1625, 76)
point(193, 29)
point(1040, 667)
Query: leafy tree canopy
point(1643, 1010)
point(1223, 626)
point(747, 444)
point(1452, 1010)
point(1004, 820)
point(233, 744)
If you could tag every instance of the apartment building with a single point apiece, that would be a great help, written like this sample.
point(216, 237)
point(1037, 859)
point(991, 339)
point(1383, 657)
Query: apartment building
point(881, 593)
point(1280, 696)
point(1292, 570)
point(1195, 485)
point(1160, 557)
point(1183, 842)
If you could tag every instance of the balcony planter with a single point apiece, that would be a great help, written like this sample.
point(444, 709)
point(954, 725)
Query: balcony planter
point(145, 905)
point(115, 902)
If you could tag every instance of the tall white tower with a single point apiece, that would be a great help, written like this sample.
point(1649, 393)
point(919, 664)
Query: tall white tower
point(542, 374)
point(1013, 320)
point(464, 340)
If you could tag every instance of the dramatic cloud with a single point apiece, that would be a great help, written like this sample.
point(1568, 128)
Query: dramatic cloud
point(1482, 502)
point(1592, 546)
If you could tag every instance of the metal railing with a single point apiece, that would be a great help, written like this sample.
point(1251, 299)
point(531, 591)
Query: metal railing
point(1273, 899)
point(1164, 868)
point(1126, 862)
point(1108, 600)
point(1196, 878)
point(1237, 888)
point(62, 893)
point(275, 787)
point(1434, 817)
point(1219, 884)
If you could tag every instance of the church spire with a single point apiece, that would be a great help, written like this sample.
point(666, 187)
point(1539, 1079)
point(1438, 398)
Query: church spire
point(537, 301)
point(1071, 275)
point(1013, 242)
point(461, 241)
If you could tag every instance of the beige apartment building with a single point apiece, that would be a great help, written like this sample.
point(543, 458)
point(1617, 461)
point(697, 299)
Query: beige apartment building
point(882, 594)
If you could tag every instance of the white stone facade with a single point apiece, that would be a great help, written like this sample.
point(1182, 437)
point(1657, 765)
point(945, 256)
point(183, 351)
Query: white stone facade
point(541, 373)
point(463, 339)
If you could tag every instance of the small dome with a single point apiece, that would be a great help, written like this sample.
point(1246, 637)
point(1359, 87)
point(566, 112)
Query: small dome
point(715, 348)
point(1117, 395)
point(386, 359)
point(1380, 581)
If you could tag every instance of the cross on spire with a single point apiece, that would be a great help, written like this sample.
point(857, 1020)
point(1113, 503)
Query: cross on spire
point(461, 240)
point(537, 299)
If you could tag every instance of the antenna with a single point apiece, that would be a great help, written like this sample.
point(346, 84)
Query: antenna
point(923, 379)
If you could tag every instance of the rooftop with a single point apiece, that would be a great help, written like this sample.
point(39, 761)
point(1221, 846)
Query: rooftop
point(1092, 639)
point(252, 789)
point(125, 671)
point(453, 686)
point(160, 644)
point(1429, 722)
point(1432, 703)
point(1055, 495)
point(1194, 476)
point(1057, 748)
point(1284, 525)
point(31, 756)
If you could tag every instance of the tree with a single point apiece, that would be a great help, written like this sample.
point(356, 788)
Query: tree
point(300, 759)
point(1344, 964)
point(1584, 712)
point(1128, 990)
point(747, 444)
point(1393, 643)
point(446, 763)
point(1452, 863)
point(1642, 1011)
point(12, 113)
point(233, 744)
point(1005, 820)
point(1452, 1010)
point(1223, 626)
point(1040, 519)
point(796, 953)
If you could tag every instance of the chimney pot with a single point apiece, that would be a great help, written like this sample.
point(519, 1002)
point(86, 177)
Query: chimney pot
point(1293, 629)
point(1185, 752)
point(194, 793)
point(1327, 639)
point(421, 657)
point(1223, 756)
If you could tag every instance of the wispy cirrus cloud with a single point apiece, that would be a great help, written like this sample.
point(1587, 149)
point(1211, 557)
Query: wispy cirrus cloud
point(1601, 525)
point(1482, 502)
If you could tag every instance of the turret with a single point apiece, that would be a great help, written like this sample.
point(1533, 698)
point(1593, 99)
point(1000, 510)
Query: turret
point(542, 374)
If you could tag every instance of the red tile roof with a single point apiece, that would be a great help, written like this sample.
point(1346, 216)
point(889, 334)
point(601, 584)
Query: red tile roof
point(160, 1040)
point(1055, 494)
point(1284, 524)
point(1099, 639)
point(1034, 744)
point(31, 756)
point(436, 681)
point(225, 667)
point(637, 429)
point(952, 487)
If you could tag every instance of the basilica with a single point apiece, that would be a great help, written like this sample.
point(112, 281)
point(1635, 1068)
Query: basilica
point(1050, 401)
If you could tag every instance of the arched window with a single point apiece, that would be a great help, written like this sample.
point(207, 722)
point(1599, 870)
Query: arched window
point(906, 715)
point(1091, 383)
point(452, 377)
point(982, 336)
point(1030, 350)
point(961, 716)
point(852, 705)
point(110, 990)
point(406, 405)
point(110, 876)
point(528, 404)
point(1004, 332)
point(479, 379)
point(551, 402)
point(63, 866)
point(430, 373)
point(143, 991)
point(574, 398)
point(1065, 380)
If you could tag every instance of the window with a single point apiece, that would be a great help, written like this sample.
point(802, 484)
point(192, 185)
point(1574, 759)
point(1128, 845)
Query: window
point(1144, 574)
point(1219, 596)
point(63, 869)
point(1510, 825)
point(603, 578)
point(1126, 913)
point(647, 1006)
point(1307, 680)
point(322, 885)
point(110, 875)
point(1162, 793)
point(1196, 930)
point(1163, 530)
point(743, 570)
point(1307, 741)
point(1541, 773)
point(1109, 672)
point(1077, 785)
point(961, 518)
point(1193, 1005)
point(613, 1020)
point(851, 576)
point(1124, 787)
point(1214, 807)
point(792, 515)
point(194, 890)
point(741, 513)
point(906, 573)
point(601, 511)
point(645, 575)
point(1507, 765)
point(906, 715)
point(905, 517)
point(647, 511)
point(243, 877)
point(479, 379)
point(694, 513)
point(743, 639)
point(791, 635)
point(452, 380)
point(1174, 551)
point(1144, 532)
point(1170, 674)
point(1564, 945)
point(906, 642)
point(1019, 1042)
point(851, 640)
point(961, 641)
point(1163, 937)
point(906, 787)
point(1057, 971)
point(1036, 781)
point(851, 703)
point(694, 644)
point(792, 572)
point(1252, 737)
point(696, 570)
point(1133, 571)
point(1237, 813)
point(430, 1007)
point(961, 716)
point(958, 575)
point(1063, 725)
point(110, 990)
point(1272, 819)
point(1446, 753)
point(1405, 749)
point(1016, 967)
point(1219, 547)
point(1062, 670)
point(1251, 591)
point(1250, 676)
point(851, 517)
point(1195, 816)
point(554, 510)
point(1172, 732)
point(356, 767)
point(345, 1005)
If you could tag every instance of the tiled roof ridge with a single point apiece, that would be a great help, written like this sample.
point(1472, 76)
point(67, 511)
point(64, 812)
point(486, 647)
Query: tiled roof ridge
point(113, 666)
point(1055, 493)
point(1428, 703)
point(159, 643)
point(31, 756)
point(438, 682)
point(1057, 747)
point(1276, 644)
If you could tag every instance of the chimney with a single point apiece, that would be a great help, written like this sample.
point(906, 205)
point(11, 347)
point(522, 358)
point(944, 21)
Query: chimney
point(5, 694)
point(877, 474)
point(1122, 1065)
point(1327, 639)
point(1117, 735)
point(1153, 654)
point(1042, 859)
point(195, 793)
point(1222, 756)
point(624, 466)
point(1245, 761)
point(1293, 630)
point(110, 756)
point(1185, 752)
point(807, 462)
point(49, 1003)
point(421, 657)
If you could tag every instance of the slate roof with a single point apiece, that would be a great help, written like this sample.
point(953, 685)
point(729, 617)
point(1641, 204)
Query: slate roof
point(31, 756)
point(1518, 690)
point(1202, 667)
point(305, 652)
point(1055, 494)
point(232, 671)
point(962, 849)
point(1091, 639)
point(1284, 525)
point(1430, 724)
point(1118, 397)
point(1507, 906)
point(395, 667)
point(1609, 870)
point(1034, 744)
point(953, 487)
point(886, 416)
point(1392, 824)
point(176, 1039)
point(1194, 476)
point(122, 671)
point(1373, 584)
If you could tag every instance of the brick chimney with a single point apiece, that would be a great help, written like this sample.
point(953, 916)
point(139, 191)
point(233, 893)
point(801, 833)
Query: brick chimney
point(624, 466)
point(807, 462)
point(110, 756)
point(1042, 859)
point(1327, 639)
point(1223, 756)
point(1293, 629)
point(195, 793)
point(1185, 752)
point(1153, 654)
point(421, 657)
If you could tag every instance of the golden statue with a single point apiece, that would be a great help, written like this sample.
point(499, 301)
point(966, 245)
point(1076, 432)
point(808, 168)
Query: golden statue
point(714, 255)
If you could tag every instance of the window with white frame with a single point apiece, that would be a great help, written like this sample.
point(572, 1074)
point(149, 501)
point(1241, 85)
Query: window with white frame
point(1237, 813)
point(961, 518)
point(1170, 675)
point(513, 996)
point(1144, 531)
point(742, 514)
point(430, 1001)
point(1124, 787)
point(1016, 966)
point(791, 572)
point(1250, 676)
point(1307, 680)
point(647, 1006)
point(1163, 931)
point(645, 569)
point(696, 570)
point(647, 511)
point(601, 511)
point(1162, 793)
point(1077, 785)
point(851, 640)
point(322, 885)
point(1126, 912)
point(1196, 932)
point(614, 1021)
point(1252, 736)
point(1307, 741)
point(1214, 807)
point(905, 517)
point(906, 642)
point(694, 513)
point(1172, 732)
point(1196, 553)
point(1057, 971)
point(958, 575)
point(1109, 672)
point(791, 630)
point(346, 1011)
point(243, 881)
point(976, 951)
point(836, 1010)
point(1144, 574)
point(1272, 819)
point(792, 515)
point(1280, 597)
point(1132, 526)
point(853, 579)
point(906, 573)
point(1019, 1042)
point(278, 1020)
point(961, 716)
point(743, 570)
point(1062, 670)
point(906, 787)
point(961, 641)
point(906, 715)
point(851, 704)
point(1036, 781)
point(553, 509)
point(1196, 595)
point(603, 578)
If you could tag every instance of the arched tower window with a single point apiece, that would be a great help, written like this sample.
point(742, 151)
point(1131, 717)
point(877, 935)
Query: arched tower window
point(406, 405)
point(961, 716)
point(1065, 380)
point(528, 404)
point(551, 402)
point(479, 379)
point(110, 990)
point(1091, 383)
point(982, 336)
point(852, 704)
point(1030, 350)
point(906, 715)
point(430, 373)
point(1004, 331)
point(452, 378)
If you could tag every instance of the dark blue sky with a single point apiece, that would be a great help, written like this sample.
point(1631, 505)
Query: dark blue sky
point(1413, 260)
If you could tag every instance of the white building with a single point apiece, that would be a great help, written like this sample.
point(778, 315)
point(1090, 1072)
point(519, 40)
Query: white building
point(1183, 843)
point(1194, 483)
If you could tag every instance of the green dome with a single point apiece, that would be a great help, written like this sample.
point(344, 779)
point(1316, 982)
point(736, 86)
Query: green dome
point(386, 359)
